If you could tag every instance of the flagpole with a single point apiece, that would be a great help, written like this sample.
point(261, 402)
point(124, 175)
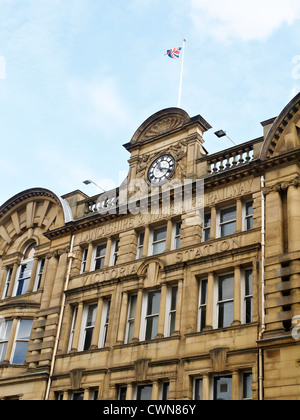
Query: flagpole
point(181, 74)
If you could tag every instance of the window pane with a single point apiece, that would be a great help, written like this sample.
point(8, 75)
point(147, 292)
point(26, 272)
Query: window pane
point(132, 311)
point(144, 393)
point(153, 303)
point(226, 287)
point(207, 220)
point(151, 328)
point(3, 347)
point(249, 310)
point(25, 329)
point(225, 314)
point(130, 331)
point(228, 229)
point(249, 283)
point(250, 223)
point(122, 393)
point(172, 322)
point(5, 328)
point(20, 353)
point(174, 298)
point(88, 339)
point(247, 384)
point(101, 250)
point(165, 392)
point(203, 292)
point(91, 318)
point(160, 234)
point(223, 388)
point(78, 396)
point(228, 215)
point(198, 389)
point(249, 209)
point(159, 248)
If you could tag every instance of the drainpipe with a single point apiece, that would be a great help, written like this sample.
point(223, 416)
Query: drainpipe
point(263, 322)
point(71, 257)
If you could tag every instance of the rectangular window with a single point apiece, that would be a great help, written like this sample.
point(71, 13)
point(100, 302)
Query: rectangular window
point(202, 304)
point(5, 329)
point(104, 323)
point(100, 253)
point(131, 318)
point(171, 310)
point(72, 329)
point(223, 388)
point(159, 237)
point(144, 393)
point(114, 254)
point(178, 232)
point(249, 215)
point(198, 389)
point(7, 282)
point(247, 386)
point(77, 396)
point(228, 221)
point(88, 323)
point(165, 391)
point(248, 296)
point(206, 227)
point(21, 342)
point(225, 300)
point(140, 248)
point(122, 393)
point(84, 260)
point(40, 271)
point(151, 308)
point(24, 278)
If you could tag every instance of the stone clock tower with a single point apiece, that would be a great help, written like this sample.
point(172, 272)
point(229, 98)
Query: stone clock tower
point(166, 146)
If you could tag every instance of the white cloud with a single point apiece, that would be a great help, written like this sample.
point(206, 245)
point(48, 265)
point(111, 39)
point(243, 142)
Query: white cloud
point(247, 19)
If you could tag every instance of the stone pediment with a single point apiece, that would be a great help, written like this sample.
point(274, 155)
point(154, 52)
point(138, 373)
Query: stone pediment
point(160, 123)
point(284, 135)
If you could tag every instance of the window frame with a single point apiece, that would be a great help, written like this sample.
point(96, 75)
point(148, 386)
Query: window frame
point(100, 258)
point(8, 280)
point(153, 243)
point(223, 301)
point(245, 298)
point(221, 224)
point(84, 260)
point(169, 311)
point(39, 274)
point(20, 340)
point(247, 217)
point(202, 306)
point(26, 280)
point(206, 228)
point(104, 323)
point(176, 234)
point(140, 245)
point(8, 326)
point(114, 252)
point(130, 320)
point(146, 317)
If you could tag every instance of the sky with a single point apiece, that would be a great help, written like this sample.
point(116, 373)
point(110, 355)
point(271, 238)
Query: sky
point(78, 77)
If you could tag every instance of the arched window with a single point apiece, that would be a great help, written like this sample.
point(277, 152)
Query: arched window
point(24, 272)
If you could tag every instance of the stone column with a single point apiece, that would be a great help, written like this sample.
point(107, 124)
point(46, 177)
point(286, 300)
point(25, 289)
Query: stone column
point(239, 215)
point(236, 386)
point(210, 302)
point(293, 199)
point(123, 319)
point(162, 312)
point(213, 223)
point(108, 253)
point(169, 235)
point(178, 308)
point(89, 258)
point(237, 296)
point(206, 388)
point(146, 242)
point(138, 314)
point(33, 275)
point(274, 224)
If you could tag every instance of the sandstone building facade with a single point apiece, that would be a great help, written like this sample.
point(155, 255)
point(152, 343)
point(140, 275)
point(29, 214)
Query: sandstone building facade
point(102, 300)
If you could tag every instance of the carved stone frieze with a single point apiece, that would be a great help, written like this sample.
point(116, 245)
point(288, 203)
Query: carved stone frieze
point(282, 186)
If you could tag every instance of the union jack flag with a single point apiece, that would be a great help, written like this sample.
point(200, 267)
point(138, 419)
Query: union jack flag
point(174, 53)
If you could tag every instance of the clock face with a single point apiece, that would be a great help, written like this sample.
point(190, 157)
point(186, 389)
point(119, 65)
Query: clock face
point(161, 169)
